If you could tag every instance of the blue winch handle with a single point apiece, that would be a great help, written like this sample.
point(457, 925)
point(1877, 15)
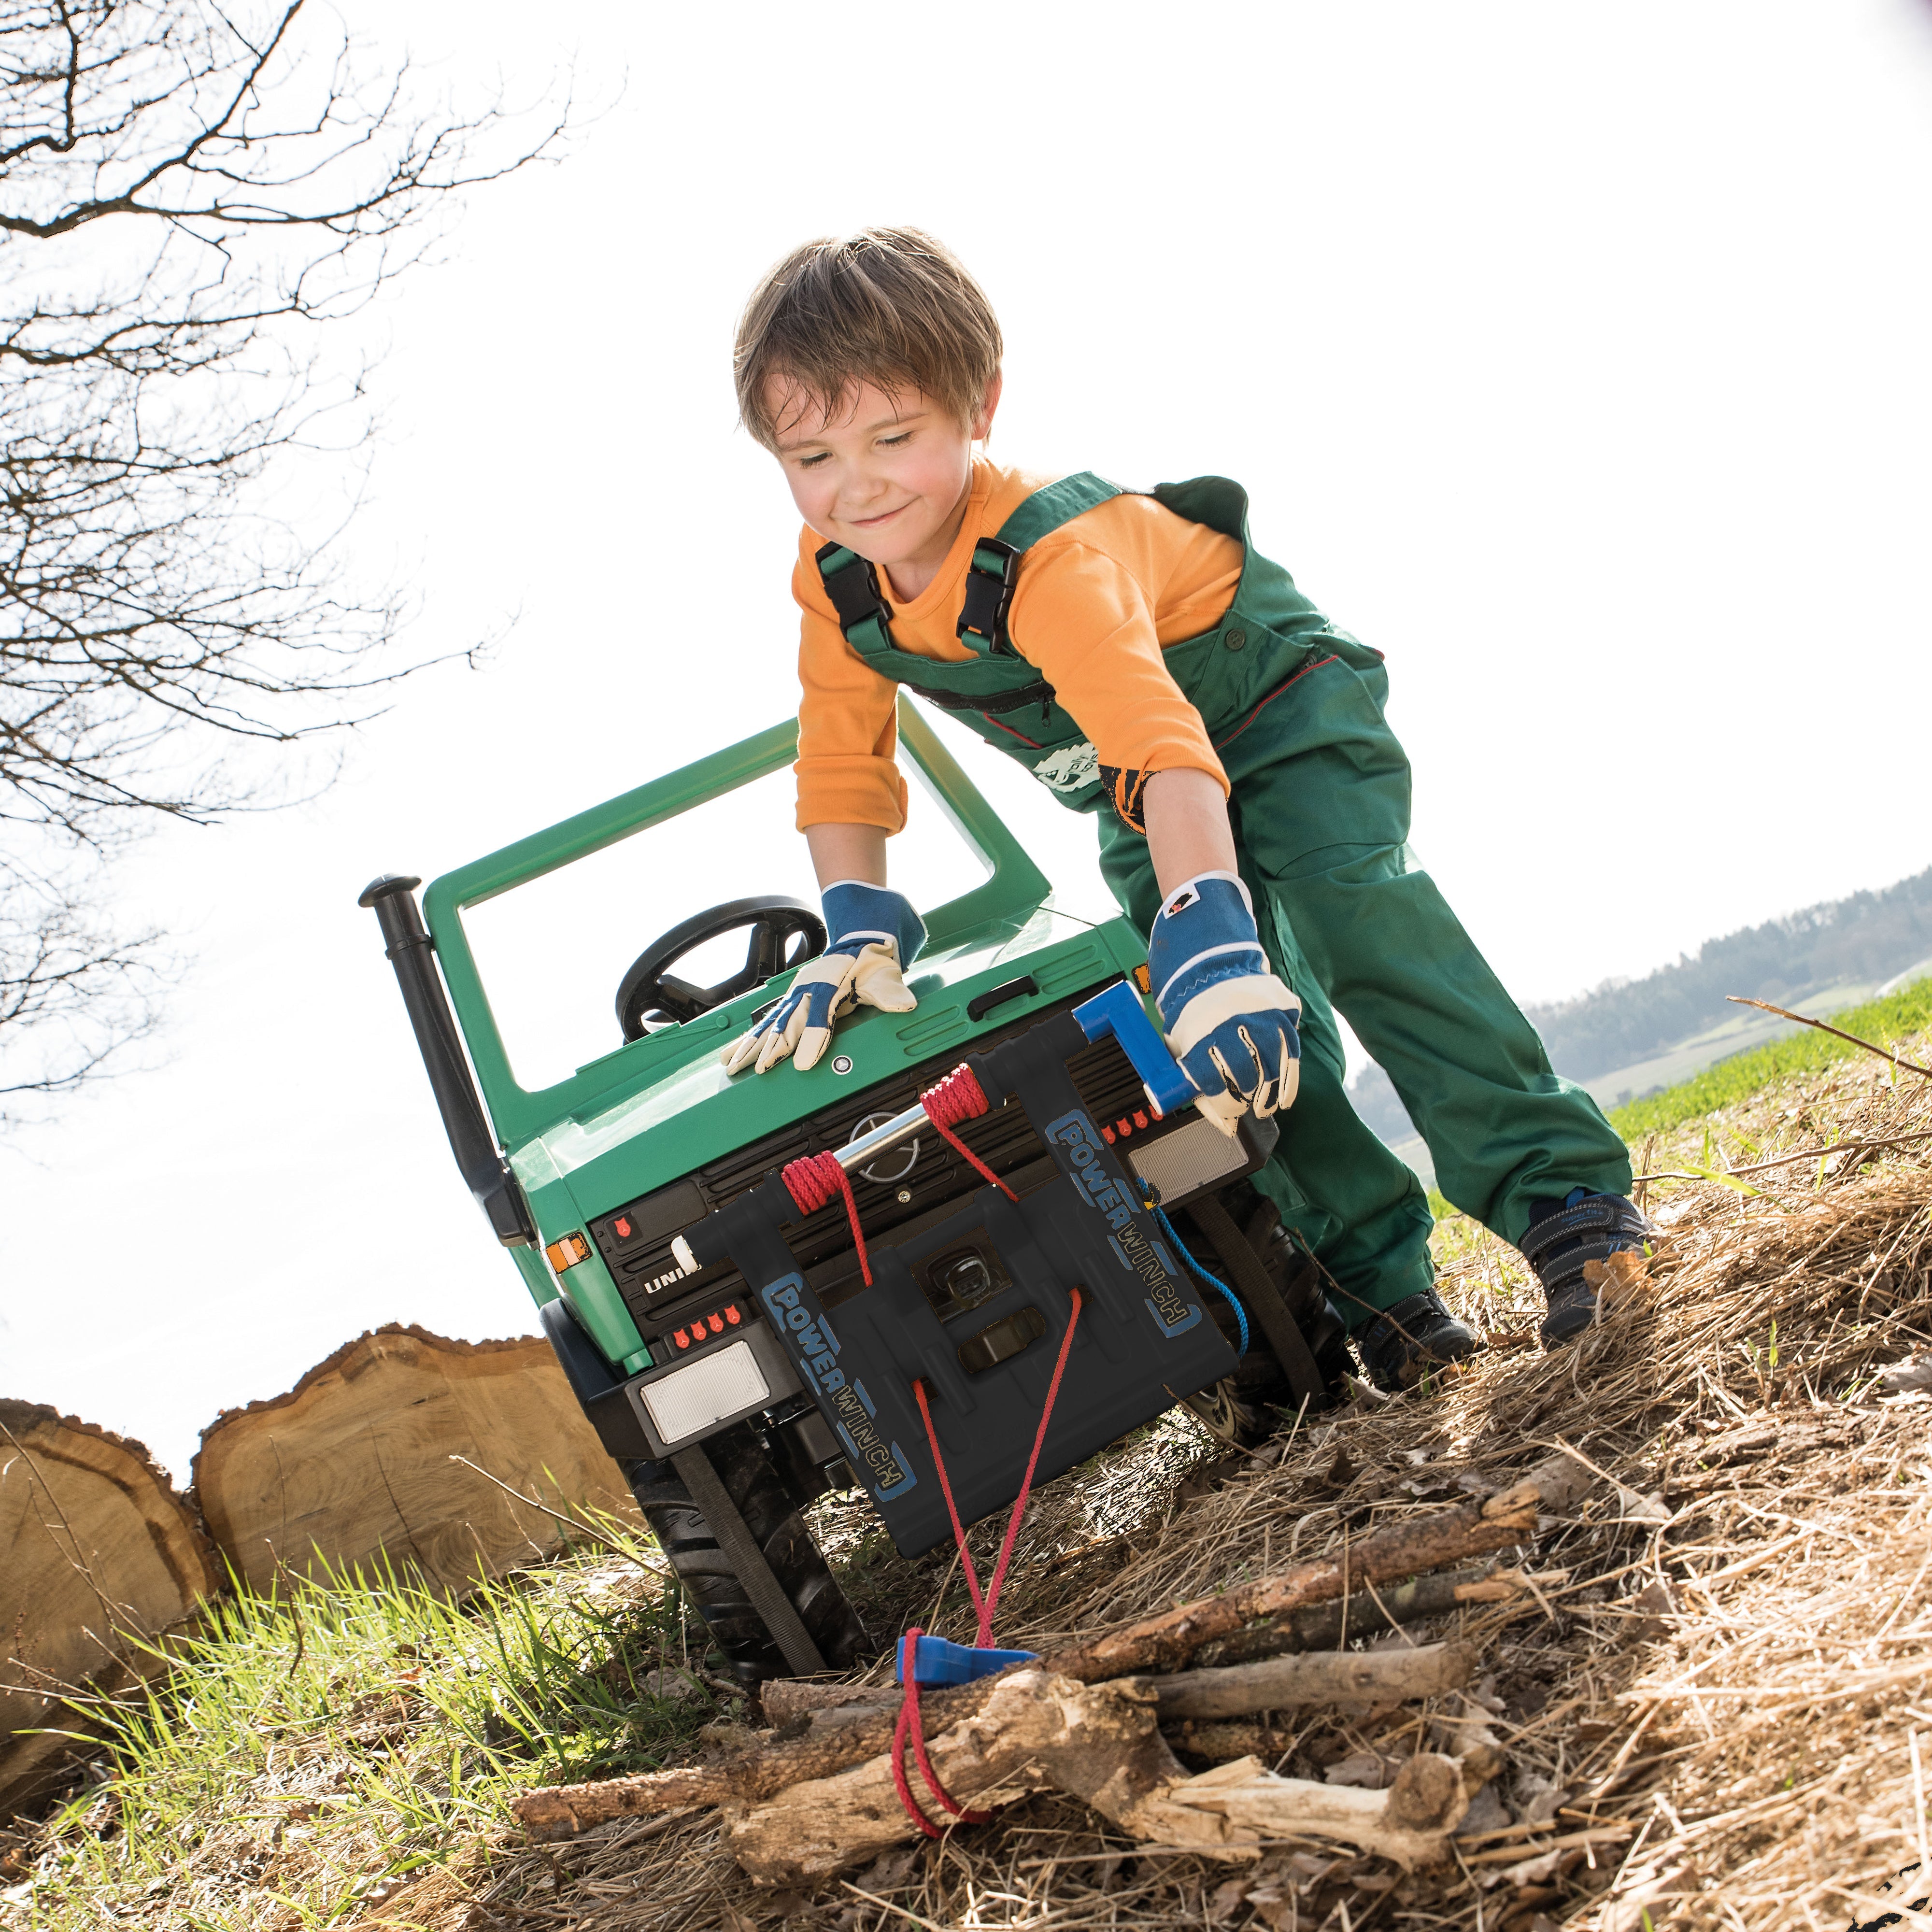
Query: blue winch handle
point(936, 1661)
point(1118, 1014)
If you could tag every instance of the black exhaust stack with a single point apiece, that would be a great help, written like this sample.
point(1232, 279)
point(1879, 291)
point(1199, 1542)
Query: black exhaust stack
point(394, 901)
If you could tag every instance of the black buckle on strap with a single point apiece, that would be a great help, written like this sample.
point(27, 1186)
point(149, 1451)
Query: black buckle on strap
point(853, 585)
point(991, 575)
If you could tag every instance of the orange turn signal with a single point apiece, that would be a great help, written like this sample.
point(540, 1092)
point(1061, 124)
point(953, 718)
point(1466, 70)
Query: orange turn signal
point(568, 1253)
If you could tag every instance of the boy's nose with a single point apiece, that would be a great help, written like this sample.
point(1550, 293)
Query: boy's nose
point(862, 495)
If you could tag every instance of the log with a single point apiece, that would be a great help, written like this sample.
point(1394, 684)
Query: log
point(1099, 1743)
point(1410, 1823)
point(1222, 1742)
point(99, 1557)
point(1331, 1677)
point(1280, 1684)
point(784, 1699)
point(1420, 1542)
point(1326, 1627)
point(353, 1466)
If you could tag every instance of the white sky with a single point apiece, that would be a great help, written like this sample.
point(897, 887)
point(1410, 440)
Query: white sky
point(1576, 358)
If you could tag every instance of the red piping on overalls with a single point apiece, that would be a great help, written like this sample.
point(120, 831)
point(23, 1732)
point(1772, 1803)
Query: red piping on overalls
point(1219, 743)
point(1011, 732)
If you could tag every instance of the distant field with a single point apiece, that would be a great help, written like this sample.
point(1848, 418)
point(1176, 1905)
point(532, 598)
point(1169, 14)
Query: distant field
point(1881, 1021)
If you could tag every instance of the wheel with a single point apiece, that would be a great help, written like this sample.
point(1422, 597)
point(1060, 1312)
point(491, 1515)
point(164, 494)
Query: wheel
point(708, 1579)
point(1244, 1409)
point(785, 933)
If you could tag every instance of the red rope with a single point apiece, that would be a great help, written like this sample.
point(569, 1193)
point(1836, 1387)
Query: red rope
point(1026, 1481)
point(952, 1508)
point(909, 1724)
point(908, 1803)
point(813, 1179)
point(959, 1096)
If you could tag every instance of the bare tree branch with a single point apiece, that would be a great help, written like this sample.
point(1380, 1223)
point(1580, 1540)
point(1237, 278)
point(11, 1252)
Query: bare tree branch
point(187, 195)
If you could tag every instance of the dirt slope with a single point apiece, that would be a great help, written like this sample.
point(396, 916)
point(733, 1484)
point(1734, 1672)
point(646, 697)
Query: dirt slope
point(1714, 1701)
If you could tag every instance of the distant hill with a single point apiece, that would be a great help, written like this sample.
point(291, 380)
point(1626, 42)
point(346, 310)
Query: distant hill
point(1863, 939)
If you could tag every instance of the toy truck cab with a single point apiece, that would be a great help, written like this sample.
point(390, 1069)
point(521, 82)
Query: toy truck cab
point(740, 1350)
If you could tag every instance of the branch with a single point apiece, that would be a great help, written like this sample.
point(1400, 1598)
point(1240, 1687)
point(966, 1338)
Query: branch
point(1764, 1006)
point(1098, 1744)
point(1166, 1643)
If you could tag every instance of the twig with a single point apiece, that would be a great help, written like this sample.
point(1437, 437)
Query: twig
point(562, 1515)
point(294, 1611)
point(1788, 1160)
point(74, 1555)
point(873, 1898)
point(1387, 1618)
point(1805, 1019)
point(1919, 1798)
point(657, 1827)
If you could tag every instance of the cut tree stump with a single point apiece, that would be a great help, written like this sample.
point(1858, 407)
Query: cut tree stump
point(99, 1554)
point(354, 1464)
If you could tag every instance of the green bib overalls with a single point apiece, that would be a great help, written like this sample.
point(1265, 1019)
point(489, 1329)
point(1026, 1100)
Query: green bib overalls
point(1319, 808)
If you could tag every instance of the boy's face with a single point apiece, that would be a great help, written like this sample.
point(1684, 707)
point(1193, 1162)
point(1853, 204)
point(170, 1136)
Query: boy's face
point(887, 478)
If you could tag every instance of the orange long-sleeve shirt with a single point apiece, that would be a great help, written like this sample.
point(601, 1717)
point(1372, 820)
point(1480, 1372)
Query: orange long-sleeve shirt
point(1097, 603)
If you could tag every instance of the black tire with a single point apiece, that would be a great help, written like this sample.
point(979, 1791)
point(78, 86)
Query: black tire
point(1244, 1409)
point(708, 1579)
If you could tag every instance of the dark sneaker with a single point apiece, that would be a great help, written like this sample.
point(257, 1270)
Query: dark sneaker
point(1564, 1237)
point(1415, 1338)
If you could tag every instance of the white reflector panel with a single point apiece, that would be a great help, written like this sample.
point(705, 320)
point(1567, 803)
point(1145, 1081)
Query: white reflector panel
point(1187, 1160)
point(710, 1389)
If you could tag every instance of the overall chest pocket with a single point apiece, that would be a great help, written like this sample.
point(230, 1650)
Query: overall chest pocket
point(1046, 738)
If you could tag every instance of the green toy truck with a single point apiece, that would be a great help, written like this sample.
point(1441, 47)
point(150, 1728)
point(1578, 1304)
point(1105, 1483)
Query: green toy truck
point(743, 1345)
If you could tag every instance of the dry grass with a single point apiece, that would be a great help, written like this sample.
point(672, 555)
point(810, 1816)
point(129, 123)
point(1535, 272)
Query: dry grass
point(1711, 1702)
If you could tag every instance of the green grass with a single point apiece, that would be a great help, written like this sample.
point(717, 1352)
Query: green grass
point(1883, 1021)
point(311, 1750)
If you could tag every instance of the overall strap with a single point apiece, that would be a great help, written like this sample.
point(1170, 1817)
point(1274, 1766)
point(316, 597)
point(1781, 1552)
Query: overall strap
point(993, 573)
point(853, 585)
point(865, 617)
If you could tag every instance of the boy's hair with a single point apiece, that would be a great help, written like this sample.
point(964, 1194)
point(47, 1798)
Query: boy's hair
point(889, 306)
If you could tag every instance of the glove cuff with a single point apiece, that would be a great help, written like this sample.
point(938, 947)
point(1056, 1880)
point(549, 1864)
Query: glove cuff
point(1189, 890)
point(856, 913)
point(1204, 932)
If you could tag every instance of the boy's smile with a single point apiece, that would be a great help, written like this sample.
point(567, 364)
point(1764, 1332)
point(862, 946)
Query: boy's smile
point(887, 477)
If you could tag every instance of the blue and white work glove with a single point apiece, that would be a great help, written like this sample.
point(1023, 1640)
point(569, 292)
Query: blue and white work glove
point(1230, 1022)
point(874, 935)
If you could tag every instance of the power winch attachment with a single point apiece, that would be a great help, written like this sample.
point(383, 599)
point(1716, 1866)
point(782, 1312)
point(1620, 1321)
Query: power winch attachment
point(975, 1306)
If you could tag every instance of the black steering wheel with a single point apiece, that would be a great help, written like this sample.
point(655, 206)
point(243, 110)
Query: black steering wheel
point(785, 933)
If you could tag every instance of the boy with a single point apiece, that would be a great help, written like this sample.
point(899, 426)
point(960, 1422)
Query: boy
point(1144, 662)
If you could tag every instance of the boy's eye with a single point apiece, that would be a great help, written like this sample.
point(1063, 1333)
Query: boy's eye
point(893, 441)
point(812, 462)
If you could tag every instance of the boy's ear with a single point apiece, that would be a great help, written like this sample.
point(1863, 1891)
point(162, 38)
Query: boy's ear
point(982, 417)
